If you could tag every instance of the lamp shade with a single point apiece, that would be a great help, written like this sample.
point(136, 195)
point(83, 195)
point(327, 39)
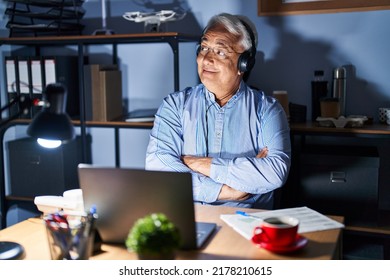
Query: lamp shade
point(52, 122)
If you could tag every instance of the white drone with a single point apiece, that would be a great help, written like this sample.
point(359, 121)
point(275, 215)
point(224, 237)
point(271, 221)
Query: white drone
point(153, 17)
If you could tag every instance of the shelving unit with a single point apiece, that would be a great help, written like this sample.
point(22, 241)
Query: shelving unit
point(35, 17)
point(173, 39)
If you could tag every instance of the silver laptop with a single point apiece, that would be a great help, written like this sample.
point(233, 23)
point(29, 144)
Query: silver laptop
point(123, 195)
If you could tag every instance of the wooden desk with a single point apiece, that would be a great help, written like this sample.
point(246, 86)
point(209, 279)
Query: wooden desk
point(225, 243)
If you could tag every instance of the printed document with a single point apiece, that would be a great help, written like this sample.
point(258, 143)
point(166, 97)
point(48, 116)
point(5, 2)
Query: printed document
point(309, 220)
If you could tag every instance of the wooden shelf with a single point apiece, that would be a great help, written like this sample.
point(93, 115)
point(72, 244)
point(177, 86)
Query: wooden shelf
point(310, 128)
point(118, 124)
point(99, 39)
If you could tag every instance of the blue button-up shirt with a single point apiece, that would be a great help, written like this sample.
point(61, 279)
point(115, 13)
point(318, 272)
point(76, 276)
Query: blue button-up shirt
point(191, 122)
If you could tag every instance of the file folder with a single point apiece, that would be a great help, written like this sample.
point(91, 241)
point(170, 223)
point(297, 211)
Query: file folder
point(36, 75)
point(50, 70)
point(10, 70)
point(24, 83)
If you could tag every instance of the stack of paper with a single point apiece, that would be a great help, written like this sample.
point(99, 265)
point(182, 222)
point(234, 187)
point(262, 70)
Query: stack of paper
point(141, 115)
point(309, 220)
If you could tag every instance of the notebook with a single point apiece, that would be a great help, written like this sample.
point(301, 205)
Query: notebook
point(123, 195)
point(141, 115)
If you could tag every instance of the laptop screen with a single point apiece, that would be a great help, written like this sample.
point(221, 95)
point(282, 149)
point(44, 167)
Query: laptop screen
point(123, 195)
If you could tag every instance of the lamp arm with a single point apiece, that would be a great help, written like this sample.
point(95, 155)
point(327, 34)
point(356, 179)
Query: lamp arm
point(11, 103)
point(25, 105)
point(7, 120)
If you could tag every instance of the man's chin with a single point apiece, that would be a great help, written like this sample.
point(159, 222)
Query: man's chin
point(209, 79)
point(211, 85)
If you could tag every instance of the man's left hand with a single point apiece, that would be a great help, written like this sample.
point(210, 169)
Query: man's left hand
point(198, 164)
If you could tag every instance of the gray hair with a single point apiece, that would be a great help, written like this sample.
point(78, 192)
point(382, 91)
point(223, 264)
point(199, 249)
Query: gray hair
point(234, 24)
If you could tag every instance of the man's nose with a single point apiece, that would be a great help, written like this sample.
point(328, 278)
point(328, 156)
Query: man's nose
point(209, 55)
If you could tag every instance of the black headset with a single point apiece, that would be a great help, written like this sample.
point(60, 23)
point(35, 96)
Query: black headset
point(247, 59)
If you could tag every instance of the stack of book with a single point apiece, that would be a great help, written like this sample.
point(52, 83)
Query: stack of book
point(103, 92)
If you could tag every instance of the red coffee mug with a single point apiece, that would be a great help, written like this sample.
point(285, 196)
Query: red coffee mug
point(278, 231)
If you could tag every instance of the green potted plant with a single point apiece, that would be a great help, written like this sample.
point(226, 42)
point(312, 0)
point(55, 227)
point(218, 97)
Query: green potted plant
point(153, 237)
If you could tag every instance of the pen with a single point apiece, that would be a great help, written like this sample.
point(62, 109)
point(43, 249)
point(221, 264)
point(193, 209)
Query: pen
point(248, 215)
point(90, 223)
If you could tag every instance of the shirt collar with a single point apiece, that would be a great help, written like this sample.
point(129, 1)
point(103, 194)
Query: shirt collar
point(210, 97)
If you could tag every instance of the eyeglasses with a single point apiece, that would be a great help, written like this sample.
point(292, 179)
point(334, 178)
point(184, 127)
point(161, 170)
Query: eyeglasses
point(221, 53)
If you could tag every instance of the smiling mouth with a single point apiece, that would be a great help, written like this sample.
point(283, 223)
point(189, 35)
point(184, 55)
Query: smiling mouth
point(208, 71)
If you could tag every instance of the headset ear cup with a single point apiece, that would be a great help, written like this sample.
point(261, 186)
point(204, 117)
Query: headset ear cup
point(247, 59)
point(251, 62)
point(245, 62)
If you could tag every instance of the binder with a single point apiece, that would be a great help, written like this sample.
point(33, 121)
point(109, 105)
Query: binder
point(30, 75)
point(36, 84)
point(36, 76)
point(25, 84)
point(50, 70)
point(103, 92)
point(24, 81)
point(12, 83)
point(18, 83)
point(10, 70)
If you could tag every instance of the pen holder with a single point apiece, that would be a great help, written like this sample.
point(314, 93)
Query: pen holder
point(70, 236)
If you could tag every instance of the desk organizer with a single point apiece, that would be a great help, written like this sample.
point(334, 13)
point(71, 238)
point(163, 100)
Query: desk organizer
point(351, 121)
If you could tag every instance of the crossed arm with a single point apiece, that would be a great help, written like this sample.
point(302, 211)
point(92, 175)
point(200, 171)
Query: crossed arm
point(173, 147)
point(203, 164)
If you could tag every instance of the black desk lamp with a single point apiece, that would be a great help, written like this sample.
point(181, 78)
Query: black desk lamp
point(51, 126)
